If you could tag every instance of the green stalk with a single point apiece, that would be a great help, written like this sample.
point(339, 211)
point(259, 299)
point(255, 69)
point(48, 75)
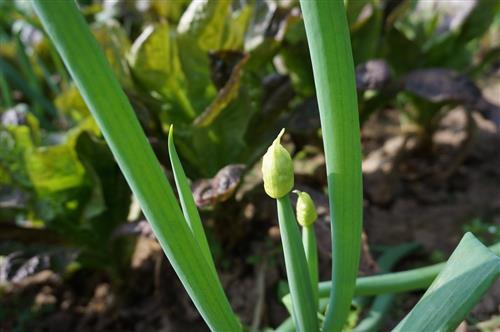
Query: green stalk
point(396, 282)
point(311, 251)
point(333, 68)
point(378, 311)
point(386, 262)
point(382, 303)
point(6, 96)
point(296, 268)
point(120, 127)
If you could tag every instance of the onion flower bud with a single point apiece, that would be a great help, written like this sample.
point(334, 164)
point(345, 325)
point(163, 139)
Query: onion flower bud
point(277, 169)
point(306, 211)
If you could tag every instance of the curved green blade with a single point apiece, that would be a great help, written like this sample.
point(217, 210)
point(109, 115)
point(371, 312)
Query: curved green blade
point(120, 127)
point(468, 274)
point(396, 282)
point(188, 205)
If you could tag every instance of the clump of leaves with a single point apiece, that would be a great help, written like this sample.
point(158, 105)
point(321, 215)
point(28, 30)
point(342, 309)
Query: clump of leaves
point(69, 184)
point(203, 72)
point(213, 73)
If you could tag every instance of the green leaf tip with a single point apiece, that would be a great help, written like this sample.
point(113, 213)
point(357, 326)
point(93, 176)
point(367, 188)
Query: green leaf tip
point(170, 134)
point(306, 210)
point(277, 169)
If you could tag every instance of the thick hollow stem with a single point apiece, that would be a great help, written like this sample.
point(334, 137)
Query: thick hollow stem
point(333, 68)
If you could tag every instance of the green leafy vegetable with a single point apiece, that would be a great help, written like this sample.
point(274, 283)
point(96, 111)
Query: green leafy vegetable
point(54, 168)
point(155, 63)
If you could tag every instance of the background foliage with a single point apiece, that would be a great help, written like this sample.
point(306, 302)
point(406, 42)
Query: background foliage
point(228, 75)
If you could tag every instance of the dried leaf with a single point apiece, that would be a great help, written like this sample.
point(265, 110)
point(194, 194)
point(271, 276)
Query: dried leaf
point(220, 188)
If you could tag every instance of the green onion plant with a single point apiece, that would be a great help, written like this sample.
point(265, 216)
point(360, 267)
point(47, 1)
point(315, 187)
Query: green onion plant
point(456, 286)
point(110, 107)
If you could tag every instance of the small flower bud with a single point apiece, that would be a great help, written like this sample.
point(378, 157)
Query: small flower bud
point(306, 211)
point(277, 169)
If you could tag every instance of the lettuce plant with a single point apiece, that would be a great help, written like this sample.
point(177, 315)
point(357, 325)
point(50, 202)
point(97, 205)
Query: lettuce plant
point(467, 275)
point(85, 174)
point(203, 76)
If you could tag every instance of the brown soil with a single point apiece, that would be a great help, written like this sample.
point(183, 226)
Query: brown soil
point(405, 201)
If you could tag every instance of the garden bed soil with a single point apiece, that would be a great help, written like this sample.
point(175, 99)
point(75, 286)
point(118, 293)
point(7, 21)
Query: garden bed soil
point(405, 201)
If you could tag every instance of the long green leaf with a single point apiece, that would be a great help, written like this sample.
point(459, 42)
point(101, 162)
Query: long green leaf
point(333, 68)
point(296, 269)
point(120, 127)
point(397, 282)
point(468, 274)
point(189, 208)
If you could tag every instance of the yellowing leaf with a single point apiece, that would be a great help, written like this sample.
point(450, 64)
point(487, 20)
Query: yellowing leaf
point(204, 23)
point(54, 168)
point(155, 64)
point(71, 103)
